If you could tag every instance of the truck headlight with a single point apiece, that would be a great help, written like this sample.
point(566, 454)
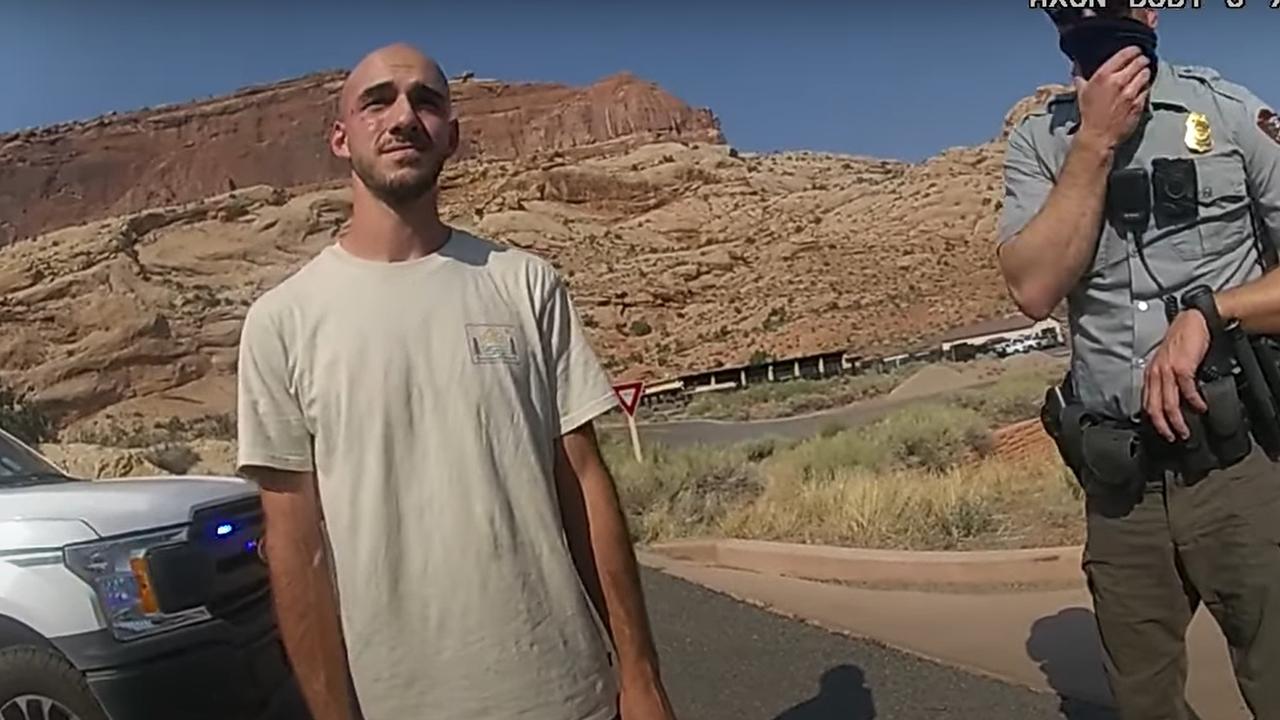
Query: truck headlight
point(126, 574)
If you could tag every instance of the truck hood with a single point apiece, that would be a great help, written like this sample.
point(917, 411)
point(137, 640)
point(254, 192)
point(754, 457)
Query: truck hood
point(115, 507)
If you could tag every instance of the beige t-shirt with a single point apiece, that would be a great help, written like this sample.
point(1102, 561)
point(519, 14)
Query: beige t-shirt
point(429, 396)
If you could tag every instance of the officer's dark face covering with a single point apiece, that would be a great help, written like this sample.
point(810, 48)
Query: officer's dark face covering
point(1091, 41)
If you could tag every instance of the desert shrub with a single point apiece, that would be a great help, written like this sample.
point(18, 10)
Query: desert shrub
point(139, 434)
point(23, 417)
point(933, 437)
point(176, 458)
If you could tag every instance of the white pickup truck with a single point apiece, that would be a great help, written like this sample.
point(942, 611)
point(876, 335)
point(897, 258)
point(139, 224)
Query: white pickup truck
point(135, 598)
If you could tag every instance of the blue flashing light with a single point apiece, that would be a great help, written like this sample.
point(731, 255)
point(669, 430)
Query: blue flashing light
point(225, 529)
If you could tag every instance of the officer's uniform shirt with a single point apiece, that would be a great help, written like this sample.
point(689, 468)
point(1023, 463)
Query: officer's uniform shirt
point(1116, 313)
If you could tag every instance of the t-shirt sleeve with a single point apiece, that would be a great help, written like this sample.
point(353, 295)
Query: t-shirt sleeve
point(271, 428)
point(1027, 184)
point(583, 389)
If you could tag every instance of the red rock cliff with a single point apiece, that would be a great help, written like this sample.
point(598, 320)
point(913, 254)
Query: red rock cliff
point(68, 174)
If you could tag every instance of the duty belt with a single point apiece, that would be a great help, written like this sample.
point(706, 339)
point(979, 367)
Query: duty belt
point(1108, 452)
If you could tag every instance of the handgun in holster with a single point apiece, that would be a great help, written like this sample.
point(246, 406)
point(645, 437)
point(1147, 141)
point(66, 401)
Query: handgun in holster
point(1096, 450)
point(1053, 417)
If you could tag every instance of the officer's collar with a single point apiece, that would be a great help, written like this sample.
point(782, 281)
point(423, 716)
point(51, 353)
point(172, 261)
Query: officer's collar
point(1164, 93)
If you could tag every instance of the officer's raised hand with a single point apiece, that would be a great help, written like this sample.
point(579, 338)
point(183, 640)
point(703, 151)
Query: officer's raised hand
point(1112, 100)
point(1171, 375)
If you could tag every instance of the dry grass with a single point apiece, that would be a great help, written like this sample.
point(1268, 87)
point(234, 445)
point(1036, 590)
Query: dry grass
point(988, 505)
point(684, 492)
point(919, 479)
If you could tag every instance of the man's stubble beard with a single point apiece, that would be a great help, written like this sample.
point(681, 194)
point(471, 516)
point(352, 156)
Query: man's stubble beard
point(401, 191)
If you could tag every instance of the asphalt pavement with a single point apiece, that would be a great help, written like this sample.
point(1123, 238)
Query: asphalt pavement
point(684, 433)
point(678, 433)
point(726, 660)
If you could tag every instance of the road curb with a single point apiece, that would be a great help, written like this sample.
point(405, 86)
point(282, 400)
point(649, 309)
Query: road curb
point(1037, 566)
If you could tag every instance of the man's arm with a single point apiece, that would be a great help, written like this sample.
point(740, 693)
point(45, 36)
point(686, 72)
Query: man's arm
point(1045, 258)
point(601, 543)
point(595, 527)
point(274, 448)
point(304, 595)
point(1043, 261)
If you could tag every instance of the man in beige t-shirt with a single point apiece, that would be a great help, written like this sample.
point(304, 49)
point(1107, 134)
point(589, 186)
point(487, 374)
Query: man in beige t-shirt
point(444, 539)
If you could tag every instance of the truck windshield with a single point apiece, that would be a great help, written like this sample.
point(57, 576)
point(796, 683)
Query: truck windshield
point(20, 465)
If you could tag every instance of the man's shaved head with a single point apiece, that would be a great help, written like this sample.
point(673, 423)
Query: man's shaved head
point(395, 123)
point(386, 62)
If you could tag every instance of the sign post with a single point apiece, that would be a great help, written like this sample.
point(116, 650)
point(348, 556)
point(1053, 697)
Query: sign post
point(629, 397)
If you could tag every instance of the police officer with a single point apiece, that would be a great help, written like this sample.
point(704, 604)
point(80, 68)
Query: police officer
point(1200, 162)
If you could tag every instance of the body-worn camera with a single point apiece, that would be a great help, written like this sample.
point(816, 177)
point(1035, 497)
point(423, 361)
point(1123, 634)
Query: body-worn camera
point(1175, 192)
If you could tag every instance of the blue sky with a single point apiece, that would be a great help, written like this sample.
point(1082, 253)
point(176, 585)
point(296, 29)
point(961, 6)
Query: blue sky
point(896, 78)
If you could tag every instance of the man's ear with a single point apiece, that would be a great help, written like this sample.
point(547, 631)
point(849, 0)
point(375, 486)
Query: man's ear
point(1148, 17)
point(454, 135)
point(338, 141)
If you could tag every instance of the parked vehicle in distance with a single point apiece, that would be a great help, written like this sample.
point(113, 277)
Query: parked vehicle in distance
point(134, 598)
point(1013, 346)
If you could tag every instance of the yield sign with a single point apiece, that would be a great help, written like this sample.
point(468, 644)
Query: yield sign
point(629, 396)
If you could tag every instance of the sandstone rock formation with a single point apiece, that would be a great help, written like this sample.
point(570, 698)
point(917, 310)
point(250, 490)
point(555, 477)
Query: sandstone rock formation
point(682, 254)
point(276, 135)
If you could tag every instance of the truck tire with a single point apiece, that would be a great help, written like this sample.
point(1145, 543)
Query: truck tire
point(38, 684)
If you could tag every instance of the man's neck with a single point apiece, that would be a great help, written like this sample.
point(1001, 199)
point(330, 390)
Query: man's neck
point(382, 233)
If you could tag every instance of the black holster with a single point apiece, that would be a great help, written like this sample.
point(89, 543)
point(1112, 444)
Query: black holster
point(1096, 449)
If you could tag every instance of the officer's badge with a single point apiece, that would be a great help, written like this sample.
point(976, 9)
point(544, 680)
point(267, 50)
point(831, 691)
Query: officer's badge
point(1199, 138)
point(1269, 123)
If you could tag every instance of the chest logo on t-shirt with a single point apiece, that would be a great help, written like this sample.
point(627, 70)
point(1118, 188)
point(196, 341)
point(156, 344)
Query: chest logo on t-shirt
point(492, 344)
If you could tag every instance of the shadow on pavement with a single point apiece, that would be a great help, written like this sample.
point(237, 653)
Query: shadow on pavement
point(842, 695)
point(1066, 647)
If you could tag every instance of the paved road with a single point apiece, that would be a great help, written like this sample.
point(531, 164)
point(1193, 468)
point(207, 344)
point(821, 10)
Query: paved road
point(680, 433)
point(725, 660)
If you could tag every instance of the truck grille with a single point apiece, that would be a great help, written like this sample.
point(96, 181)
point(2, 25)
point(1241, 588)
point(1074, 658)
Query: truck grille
point(230, 533)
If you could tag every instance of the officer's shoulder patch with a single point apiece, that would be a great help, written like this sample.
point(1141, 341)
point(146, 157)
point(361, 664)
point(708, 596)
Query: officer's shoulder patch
point(1269, 123)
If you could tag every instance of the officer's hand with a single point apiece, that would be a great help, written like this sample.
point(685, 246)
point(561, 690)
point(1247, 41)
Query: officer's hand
point(1171, 375)
point(1113, 99)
